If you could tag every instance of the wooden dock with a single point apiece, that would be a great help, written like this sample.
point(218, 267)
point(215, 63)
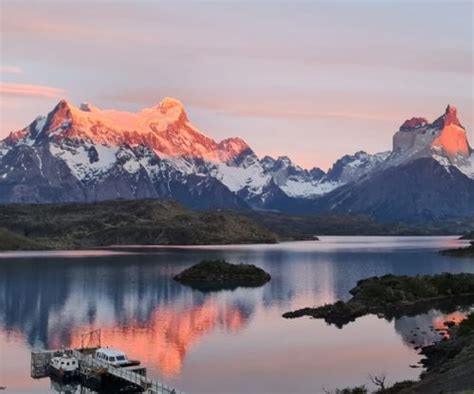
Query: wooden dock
point(93, 372)
point(87, 364)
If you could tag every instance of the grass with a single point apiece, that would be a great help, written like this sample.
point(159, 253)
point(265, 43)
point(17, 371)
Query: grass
point(143, 222)
point(391, 289)
point(12, 241)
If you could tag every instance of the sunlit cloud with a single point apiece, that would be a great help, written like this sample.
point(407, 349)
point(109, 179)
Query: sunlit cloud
point(28, 90)
point(10, 70)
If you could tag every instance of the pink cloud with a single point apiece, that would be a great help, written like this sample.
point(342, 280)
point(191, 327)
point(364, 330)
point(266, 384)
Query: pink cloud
point(28, 90)
point(10, 70)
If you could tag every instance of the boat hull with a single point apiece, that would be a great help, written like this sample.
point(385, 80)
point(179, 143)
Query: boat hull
point(63, 375)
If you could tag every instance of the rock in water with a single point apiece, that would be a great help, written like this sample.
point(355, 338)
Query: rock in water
point(219, 274)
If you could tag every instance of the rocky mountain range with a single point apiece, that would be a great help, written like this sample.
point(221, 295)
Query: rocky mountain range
point(86, 154)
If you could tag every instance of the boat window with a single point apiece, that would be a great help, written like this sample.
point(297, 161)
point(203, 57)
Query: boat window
point(67, 363)
point(62, 362)
point(111, 358)
point(73, 363)
point(120, 358)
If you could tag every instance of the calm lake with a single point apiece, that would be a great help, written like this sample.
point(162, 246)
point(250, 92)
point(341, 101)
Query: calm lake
point(219, 342)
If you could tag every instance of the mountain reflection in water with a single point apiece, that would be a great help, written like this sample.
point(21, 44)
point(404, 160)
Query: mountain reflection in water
point(198, 341)
point(167, 336)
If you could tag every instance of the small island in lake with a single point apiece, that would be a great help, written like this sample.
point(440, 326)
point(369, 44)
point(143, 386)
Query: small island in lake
point(220, 274)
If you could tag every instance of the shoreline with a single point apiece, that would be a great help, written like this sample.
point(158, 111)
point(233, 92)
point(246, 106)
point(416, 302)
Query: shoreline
point(145, 248)
point(466, 252)
point(392, 295)
point(147, 270)
point(449, 363)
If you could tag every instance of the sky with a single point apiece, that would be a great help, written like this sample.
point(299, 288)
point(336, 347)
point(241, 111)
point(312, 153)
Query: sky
point(312, 80)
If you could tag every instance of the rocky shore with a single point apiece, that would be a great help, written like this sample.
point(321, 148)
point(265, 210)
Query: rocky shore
point(460, 252)
point(469, 235)
point(449, 363)
point(219, 274)
point(449, 366)
point(391, 296)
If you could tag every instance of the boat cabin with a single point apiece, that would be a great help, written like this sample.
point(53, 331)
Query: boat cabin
point(112, 357)
point(64, 366)
point(65, 363)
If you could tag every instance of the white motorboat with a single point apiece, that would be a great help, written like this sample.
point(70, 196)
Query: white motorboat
point(64, 366)
point(114, 357)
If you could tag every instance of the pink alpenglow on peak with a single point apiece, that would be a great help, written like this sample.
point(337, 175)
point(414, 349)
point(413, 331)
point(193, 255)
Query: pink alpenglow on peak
point(172, 108)
point(413, 123)
point(452, 139)
point(168, 103)
point(450, 117)
point(164, 129)
point(446, 136)
point(230, 148)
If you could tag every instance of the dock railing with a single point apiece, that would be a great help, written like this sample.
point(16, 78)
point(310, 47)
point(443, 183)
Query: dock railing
point(149, 385)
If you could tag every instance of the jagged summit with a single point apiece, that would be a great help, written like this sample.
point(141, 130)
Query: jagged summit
point(231, 148)
point(173, 108)
point(413, 123)
point(450, 117)
point(164, 129)
point(62, 109)
point(86, 153)
point(445, 138)
point(169, 102)
point(452, 139)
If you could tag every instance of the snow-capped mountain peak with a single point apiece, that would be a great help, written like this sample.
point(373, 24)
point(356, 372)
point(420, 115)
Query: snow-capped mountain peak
point(87, 153)
point(164, 128)
point(350, 168)
point(231, 148)
point(159, 143)
point(173, 109)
